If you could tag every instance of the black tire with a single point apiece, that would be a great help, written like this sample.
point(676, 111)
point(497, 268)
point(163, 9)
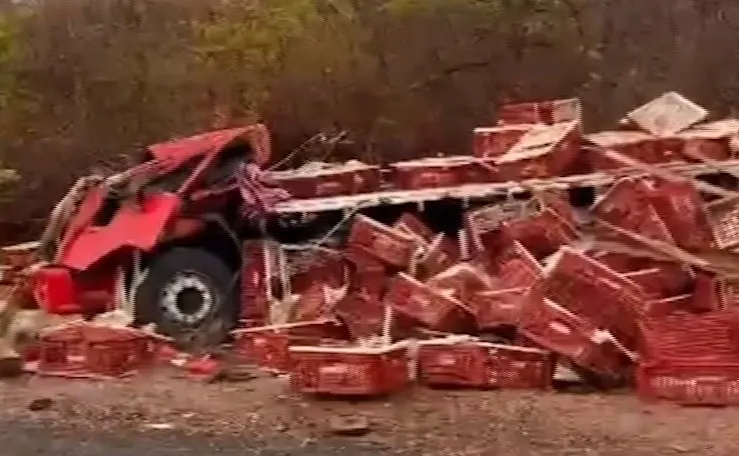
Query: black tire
point(189, 294)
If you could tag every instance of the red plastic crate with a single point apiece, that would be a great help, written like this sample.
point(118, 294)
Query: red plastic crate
point(495, 141)
point(325, 268)
point(723, 217)
point(714, 148)
point(427, 306)
point(362, 313)
point(339, 180)
point(516, 267)
point(709, 338)
point(62, 351)
point(541, 234)
point(633, 144)
point(711, 293)
point(350, 371)
point(460, 281)
point(470, 363)
point(451, 362)
point(559, 202)
point(313, 304)
point(518, 367)
point(434, 172)
point(546, 111)
point(393, 247)
point(627, 204)
point(593, 291)
point(543, 152)
point(113, 352)
point(681, 208)
point(495, 308)
point(689, 383)
point(265, 347)
point(411, 224)
point(441, 254)
point(553, 327)
point(90, 351)
point(268, 346)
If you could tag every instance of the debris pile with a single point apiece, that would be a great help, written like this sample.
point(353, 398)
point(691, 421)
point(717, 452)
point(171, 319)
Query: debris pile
point(518, 293)
point(641, 287)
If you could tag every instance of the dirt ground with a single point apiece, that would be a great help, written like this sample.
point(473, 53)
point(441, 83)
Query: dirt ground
point(417, 421)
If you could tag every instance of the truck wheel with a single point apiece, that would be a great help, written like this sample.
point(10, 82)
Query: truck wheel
point(189, 294)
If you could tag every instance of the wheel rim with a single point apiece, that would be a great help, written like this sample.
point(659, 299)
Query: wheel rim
point(187, 298)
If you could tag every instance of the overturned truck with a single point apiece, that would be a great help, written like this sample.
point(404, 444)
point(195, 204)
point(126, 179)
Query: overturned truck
point(172, 239)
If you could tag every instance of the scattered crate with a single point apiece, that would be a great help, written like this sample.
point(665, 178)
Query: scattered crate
point(460, 281)
point(723, 217)
point(113, 352)
point(362, 313)
point(62, 352)
point(553, 327)
point(544, 151)
point(427, 306)
point(516, 267)
point(689, 383)
point(348, 179)
point(393, 247)
point(496, 308)
point(441, 254)
point(680, 207)
point(545, 112)
point(576, 280)
point(412, 225)
point(496, 141)
point(470, 363)
point(627, 205)
point(705, 338)
point(350, 371)
point(268, 346)
point(435, 172)
point(542, 234)
point(83, 350)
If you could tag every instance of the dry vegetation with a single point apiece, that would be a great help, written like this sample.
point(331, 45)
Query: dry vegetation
point(85, 82)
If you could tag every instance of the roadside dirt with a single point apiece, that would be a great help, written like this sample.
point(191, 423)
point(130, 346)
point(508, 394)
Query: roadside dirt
point(419, 420)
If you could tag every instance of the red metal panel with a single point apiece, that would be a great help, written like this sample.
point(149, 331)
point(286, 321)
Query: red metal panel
point(130, 227)
point(214, 141)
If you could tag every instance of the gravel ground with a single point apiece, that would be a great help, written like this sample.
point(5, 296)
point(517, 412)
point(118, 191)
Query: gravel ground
point(161, 414)
point(25, 439)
